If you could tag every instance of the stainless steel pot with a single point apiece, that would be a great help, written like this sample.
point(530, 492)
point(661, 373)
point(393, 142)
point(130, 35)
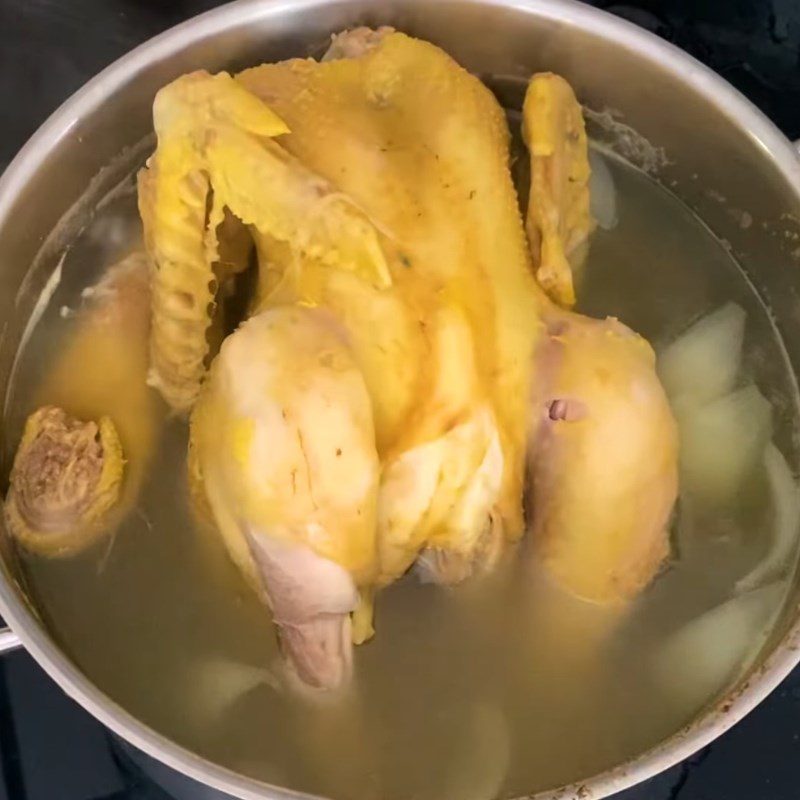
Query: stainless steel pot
point(716, 143)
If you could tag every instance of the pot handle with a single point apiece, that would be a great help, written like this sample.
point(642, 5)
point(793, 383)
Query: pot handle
point(8, 640)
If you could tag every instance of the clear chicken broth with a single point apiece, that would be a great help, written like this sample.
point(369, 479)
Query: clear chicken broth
point(501, 687)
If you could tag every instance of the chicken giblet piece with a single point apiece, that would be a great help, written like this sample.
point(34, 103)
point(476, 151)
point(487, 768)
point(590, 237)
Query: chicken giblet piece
point(65, 479)
point(603, 460)
point(558, 219)
point(283, 450)
point(96, 414)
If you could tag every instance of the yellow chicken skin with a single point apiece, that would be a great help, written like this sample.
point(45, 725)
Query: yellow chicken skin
point(97, 417)
point(558, 220)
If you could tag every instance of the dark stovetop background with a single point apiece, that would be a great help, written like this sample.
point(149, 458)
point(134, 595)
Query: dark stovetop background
point(49, 748)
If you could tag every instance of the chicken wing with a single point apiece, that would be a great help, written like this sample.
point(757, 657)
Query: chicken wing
point(214, 153)
point(558, 218)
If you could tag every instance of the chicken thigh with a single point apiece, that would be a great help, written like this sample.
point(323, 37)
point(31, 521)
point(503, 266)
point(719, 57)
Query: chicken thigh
point(283, 452)
point(603, 469)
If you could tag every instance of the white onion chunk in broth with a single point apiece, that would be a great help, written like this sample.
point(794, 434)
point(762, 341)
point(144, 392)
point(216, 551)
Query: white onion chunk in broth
point(703, 363)
point(785, 501)
point(722, 443)
point(483, 757)
point(220, 683)
point(699, 659)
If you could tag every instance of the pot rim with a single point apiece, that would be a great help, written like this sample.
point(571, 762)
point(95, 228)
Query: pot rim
point(712, 88)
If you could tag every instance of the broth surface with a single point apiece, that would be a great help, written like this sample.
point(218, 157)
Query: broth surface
point(501, 687)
